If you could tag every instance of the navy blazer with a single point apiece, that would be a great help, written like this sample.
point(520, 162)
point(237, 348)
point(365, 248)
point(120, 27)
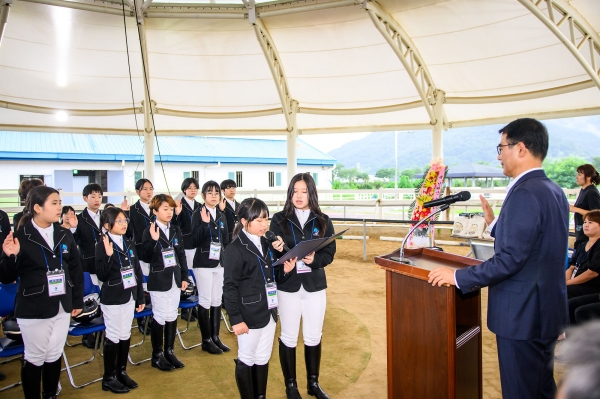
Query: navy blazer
point(33, 301)
point(87, 235)
point(527, 296)
point(185, 221)
point(205, 233)
point(231, 216)
point(4, 226)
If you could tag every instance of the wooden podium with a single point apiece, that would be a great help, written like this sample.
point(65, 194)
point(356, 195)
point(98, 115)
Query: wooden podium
point(433, 333)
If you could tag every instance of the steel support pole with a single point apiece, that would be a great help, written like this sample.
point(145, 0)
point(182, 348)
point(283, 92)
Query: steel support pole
point(292, 137)
point(437, 139)
point(148, 125)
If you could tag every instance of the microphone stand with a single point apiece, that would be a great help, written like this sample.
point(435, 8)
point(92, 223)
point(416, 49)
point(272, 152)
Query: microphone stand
point(405, 260)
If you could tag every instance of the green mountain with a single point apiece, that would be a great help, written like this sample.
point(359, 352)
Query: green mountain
point(465, 145)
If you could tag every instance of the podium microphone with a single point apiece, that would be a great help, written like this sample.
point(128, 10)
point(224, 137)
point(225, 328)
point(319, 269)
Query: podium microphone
point(271, 237)
point(451, 199)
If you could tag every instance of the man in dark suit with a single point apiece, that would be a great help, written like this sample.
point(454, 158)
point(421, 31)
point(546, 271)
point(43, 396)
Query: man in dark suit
point(527, 305)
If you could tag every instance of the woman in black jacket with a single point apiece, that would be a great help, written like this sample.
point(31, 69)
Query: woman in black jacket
point(117, 266)
point(162, 248)
point(589, 198)
point(583, 274)
point(45, 259)
point(302, 296)
point(250, 296)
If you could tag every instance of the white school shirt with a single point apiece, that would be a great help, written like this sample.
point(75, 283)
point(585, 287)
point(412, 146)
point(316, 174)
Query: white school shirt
point(118, 239)
point(145, 207)
point(256, 240)
point(164, 228)
point(190, 202)
point(213, 212)
point(232, 203)
point(95, 217)
point(47, 233)
point(302, 216)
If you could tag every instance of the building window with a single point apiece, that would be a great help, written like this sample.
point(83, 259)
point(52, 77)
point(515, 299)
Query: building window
point(238, 179)
point(137, 176)
point(187, 175)
point(231, 175)
point(316, 178)
point(278, 179)
point(196, 174)
point(271, 179)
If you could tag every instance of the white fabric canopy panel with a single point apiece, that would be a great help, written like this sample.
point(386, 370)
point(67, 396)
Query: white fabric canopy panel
point(493, 60)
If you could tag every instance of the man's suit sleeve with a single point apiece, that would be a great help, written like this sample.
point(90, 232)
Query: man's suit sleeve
point(521, 221)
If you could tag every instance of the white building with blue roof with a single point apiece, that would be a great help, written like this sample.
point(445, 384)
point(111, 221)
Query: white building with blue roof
point(70, 161)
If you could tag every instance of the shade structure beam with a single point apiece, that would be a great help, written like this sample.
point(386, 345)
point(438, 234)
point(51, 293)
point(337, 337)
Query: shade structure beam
point(4, 11)
point(582, 40)
point(408, 55)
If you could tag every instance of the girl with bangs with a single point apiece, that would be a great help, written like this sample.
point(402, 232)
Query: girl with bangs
point(250, 295)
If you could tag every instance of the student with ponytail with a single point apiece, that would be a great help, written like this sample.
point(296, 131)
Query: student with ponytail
point(250, 295)
point(588, 199)
point(302, 295)
point(45, 259)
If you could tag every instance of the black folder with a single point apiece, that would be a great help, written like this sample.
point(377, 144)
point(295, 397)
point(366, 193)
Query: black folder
point(306, 247)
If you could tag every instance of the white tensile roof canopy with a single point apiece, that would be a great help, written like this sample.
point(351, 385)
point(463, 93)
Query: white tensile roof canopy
point(295, 67)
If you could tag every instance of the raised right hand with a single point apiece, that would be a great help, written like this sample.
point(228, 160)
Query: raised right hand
point(205, 215)
point(11, 246)
point(154, 233)
point(108, 246)
point(488, 212)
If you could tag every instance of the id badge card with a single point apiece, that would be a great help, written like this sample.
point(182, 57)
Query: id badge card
point(302, 268)
point(168, 256)
point(214, 252)
point(128, 277)
point(271, 295)
point(56, 283)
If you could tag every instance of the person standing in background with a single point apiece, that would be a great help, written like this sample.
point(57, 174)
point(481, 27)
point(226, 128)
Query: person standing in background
point(587, 200)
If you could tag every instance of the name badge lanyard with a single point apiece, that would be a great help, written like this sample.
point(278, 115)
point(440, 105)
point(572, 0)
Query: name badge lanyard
point(300, 265)
point(270, 288)
point(214, 252)
point(126, 272)
point(56, 278)
point(168, 254)
point(579, 261)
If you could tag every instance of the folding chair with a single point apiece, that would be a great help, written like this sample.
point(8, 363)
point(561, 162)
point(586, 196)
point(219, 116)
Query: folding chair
point(88, 289)
point(146, 313)
point(188, 303)
point(481, 251)
point(77, 330)
point(9, 349)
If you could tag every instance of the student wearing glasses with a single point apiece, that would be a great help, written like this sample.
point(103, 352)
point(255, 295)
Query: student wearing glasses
point(231, 205)
point(210, 238)
point(117, 266)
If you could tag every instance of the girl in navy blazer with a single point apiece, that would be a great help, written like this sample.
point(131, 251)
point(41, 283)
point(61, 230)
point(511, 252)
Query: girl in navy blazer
point(250, 296)
point(210, 239)
point(45, 259)
point(162, 248)
point(117, 266)
point(302, 296)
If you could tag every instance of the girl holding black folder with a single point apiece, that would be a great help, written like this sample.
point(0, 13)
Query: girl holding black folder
point(302, 295)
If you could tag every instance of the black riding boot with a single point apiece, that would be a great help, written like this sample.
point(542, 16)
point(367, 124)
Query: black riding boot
point(287, 358)
point(122, 357)
point(170, 332)
point(203, 322)
point(215, 326)
point(50, 378)
point(109, 379)
point(243, 378)
point(312, 358)
point(260, 374)
point(158, 357)
point(31, 378)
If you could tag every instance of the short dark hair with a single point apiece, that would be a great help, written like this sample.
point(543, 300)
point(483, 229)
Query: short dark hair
point(531, 132)
point(92, 188)
point(36, 196)
point(27, 185)
point(227, 183)
point(65, 209)
point(250, 209)
point(188, 182)
point(211, 184)
point(140, 184)
point(109, 216)
point(590, 171)
point(108, 205)
point(593, 216)
point(158, 200)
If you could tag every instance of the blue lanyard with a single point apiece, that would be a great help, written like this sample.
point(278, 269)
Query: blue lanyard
point(218, 229)
point(170, 242)
point(261, 268)
point(47, 266)
point(579, 261)
point(294, 234)
point(126, 248)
